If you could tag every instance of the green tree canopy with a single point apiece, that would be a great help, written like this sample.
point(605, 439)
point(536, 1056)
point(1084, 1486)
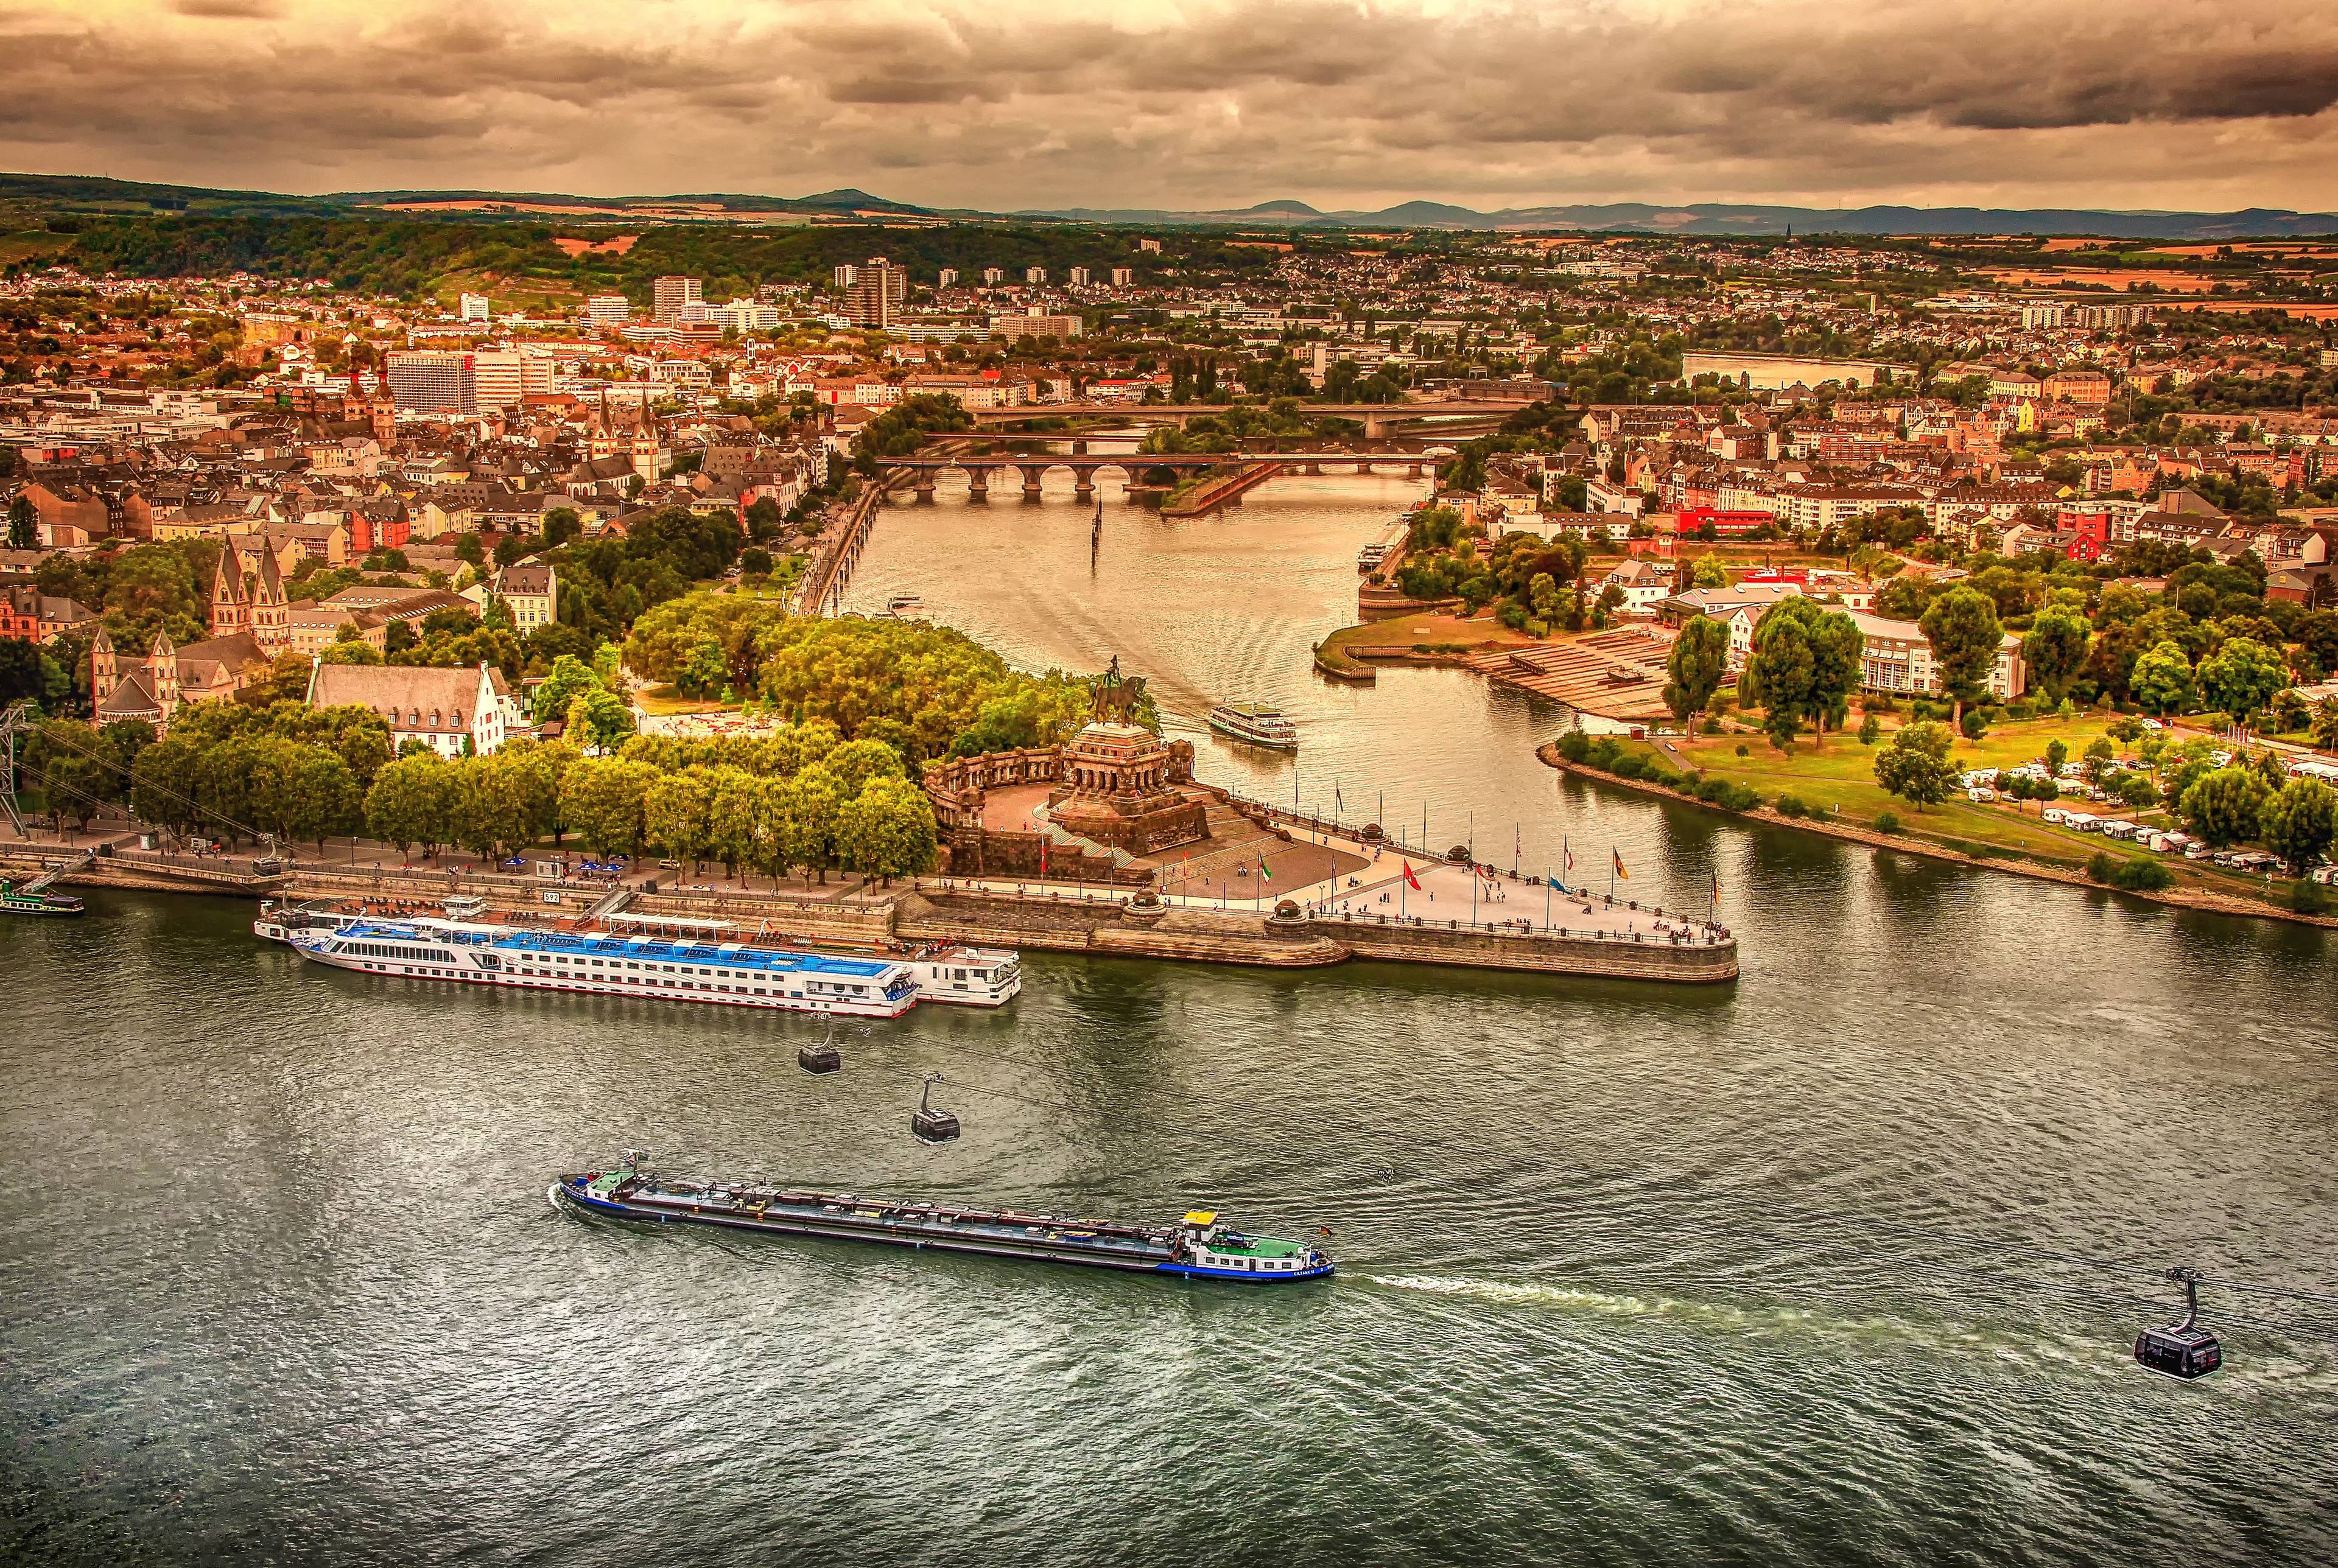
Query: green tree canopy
point(1963, 628)
point(2162, 681)
point(1915, 766)
point(1803, 664)
point(2224, 807)
point(2241, 677)
point(2298, 822)
point(1697, 666)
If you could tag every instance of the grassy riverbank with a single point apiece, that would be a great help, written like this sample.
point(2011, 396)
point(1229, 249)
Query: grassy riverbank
point(1833, 781)
point(1430, 631)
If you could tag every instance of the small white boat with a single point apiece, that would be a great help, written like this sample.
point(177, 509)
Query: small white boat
point(1259, 724)
point(906, 607)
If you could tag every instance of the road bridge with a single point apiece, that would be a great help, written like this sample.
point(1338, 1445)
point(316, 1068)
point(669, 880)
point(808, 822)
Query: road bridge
point(1137, 469)
point(1379, 418)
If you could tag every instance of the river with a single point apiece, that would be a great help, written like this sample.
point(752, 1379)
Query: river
point(1780, 1272)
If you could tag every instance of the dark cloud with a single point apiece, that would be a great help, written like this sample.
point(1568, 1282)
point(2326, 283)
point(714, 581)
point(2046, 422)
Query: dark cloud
point(228, 10)
point(1214, 101)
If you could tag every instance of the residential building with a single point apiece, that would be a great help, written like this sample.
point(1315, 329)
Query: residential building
point(1035, 276)
point(452, 712)
point(1079, 277)
point(530, 590)
point(1121, 277)
point(946, 279)
point(607, 310)
point(1035, 325)
point(1896, 657)
point(2087, 388)
point(671, 295)
point(475, 308)
point(433, 382)
point(873, 299)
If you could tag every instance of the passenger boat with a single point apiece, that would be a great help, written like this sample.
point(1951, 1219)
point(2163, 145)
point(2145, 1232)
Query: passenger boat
point(728, 974)
point(981, 977)
point(1256, 722)
point(17, 901)
point(1196, 1247)
point(906, 607)
point(1369, 556)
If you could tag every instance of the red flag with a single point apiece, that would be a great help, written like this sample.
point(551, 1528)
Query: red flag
point(1411, 880)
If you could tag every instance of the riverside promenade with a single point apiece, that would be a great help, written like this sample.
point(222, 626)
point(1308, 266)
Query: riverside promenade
point(1360, 905)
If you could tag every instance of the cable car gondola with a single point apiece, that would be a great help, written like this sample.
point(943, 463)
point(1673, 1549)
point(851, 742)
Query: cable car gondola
point(822, 1057)
point(930, 1125)
point(2182, 1349)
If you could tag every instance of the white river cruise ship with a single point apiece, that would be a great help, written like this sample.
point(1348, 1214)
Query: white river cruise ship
point(729, 974)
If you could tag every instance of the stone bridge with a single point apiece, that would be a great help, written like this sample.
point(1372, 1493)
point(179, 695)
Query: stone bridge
point(1135, 469)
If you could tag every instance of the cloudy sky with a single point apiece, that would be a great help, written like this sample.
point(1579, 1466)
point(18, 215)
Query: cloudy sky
point(1005, 104)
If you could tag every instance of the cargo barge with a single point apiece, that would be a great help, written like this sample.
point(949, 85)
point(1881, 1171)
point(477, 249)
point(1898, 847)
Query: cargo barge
point(1196, 1247)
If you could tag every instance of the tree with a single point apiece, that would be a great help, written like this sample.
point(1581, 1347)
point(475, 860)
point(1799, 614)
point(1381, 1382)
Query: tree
point(2223, 807)
point(2298, 822)
point(2055, 650)
point(2162, 681)
point(2241, 677)
point(1698, 665)
point(1962, 627)
point(77, 771)
point(24, 525)
point(815, 796)
point(735, 817)
point(569, 677)
point(1709, 572)
point(1803, 664)
point(410, 803)
point(2057, 754)
point(677, 814)
point(599, 718)
point(1915, 766)
point(2098, 758)
point(888, 829)
point(601, 800)
point(2326, 723)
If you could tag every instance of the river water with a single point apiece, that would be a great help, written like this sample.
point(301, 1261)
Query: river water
point(1756, 1274)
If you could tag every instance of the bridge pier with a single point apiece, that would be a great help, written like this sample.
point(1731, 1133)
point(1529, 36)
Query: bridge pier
point(977, 483)
point(1031, 477)
point(1084, 483)
point(922, 485)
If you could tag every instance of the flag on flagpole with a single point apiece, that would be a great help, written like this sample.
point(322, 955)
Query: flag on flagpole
point(1716, 887)
point(1612, 855)
point(1338, 805)
point(1043, 854)
point(1567, 855)
point(1264, 873)
point(1411, 880)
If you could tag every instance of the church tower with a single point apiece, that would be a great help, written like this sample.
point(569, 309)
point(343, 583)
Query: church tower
point(270, 614)
point(104, 670)
point(162, 673)
point(230, 605)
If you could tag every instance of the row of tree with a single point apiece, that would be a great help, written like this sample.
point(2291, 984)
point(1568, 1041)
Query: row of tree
point(768, 807)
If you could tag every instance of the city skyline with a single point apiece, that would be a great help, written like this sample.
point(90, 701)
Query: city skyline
point(1196, 106)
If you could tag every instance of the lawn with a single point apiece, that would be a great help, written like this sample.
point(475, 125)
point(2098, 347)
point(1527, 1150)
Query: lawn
point(664, 700)
point(1836, 780)
point(1430, 629)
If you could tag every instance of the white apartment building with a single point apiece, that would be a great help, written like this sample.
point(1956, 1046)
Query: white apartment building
point(607, 310)
point(474, 308)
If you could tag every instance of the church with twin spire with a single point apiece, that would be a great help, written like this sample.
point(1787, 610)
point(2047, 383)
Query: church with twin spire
point(251, 624)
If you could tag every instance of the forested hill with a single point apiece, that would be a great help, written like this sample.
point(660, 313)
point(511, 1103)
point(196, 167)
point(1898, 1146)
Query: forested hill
point(409, 256)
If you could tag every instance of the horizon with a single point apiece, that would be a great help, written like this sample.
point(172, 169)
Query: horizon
point(1199, 107)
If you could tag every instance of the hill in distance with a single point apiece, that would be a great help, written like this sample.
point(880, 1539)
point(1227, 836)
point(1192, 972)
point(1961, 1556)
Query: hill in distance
point(25, 195)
